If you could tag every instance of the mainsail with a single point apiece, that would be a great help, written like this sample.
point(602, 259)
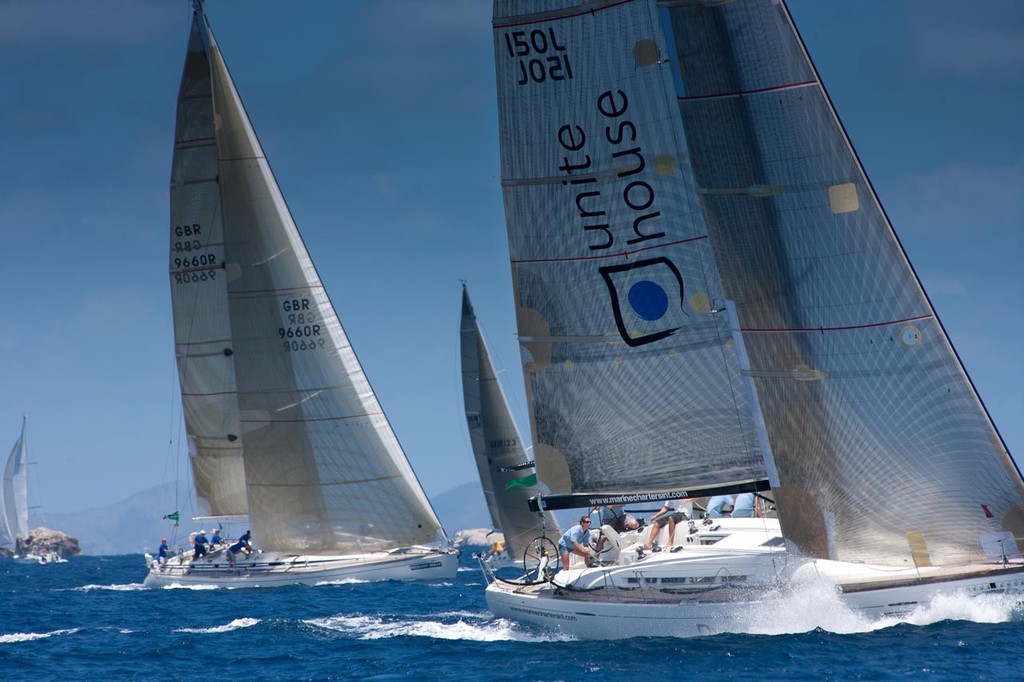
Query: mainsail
point(691, 145)
point(269, 378)
point(199, 298)
point(14, 493)
point(632, 376)
point(505, 475)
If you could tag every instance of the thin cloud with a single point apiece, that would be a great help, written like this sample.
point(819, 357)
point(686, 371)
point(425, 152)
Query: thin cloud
point(53, 24)
point(963, 198)
point(985, 44)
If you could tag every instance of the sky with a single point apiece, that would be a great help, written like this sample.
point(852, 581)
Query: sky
point(379, 120)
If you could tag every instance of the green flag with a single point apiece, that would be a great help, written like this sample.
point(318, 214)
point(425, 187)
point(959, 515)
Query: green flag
point(172, 517)
point(522, 482)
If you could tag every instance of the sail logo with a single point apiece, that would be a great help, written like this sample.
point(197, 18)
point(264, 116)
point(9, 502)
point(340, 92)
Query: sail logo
point(645, 297)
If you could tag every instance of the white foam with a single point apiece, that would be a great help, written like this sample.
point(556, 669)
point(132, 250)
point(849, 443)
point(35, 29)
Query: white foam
point(814, 604)
point(375, 627)
point(16, 637)
point(179, 586)
point(342, 581)
point(129, 587)
point(236, 624)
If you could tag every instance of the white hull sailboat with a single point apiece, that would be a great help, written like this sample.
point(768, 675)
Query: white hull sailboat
point(283, 426)
point(276, 569)
point(710, 300)
point(14, 531)
point(507, 476)
point(14, 496)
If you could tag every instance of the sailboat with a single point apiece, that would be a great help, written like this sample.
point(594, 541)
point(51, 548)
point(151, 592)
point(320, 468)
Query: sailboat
point(14, 495)
point(14, 530)
point(711, 300)
point(508, 477)
point(284, 429)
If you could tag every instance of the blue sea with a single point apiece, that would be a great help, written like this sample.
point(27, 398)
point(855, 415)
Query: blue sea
point(91, 618)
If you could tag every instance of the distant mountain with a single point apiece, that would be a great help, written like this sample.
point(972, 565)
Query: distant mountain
point(462, 507)
point(136, 524)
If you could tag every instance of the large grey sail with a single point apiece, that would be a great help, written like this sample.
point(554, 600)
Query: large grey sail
point(631, 373)
point(323, 469)
point(497, 446)
point(884, 451)
point(14, 493)
point(199, 298)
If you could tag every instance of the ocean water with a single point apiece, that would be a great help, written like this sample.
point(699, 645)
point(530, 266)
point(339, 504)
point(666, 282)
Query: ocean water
point(91, 618)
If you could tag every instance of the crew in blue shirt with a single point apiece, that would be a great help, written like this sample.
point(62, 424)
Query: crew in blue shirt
point(199, 545)
point(744, 506)
point(216, 539)
point(576, 540)
point(716, 505)
point(164, 553)
point(244, 542)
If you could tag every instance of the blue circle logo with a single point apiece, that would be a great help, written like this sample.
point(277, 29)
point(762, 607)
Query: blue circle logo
point(648, 300)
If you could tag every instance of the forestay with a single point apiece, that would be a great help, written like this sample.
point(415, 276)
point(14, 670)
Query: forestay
point(883, 449)
point(631, 371)
point(323, 470)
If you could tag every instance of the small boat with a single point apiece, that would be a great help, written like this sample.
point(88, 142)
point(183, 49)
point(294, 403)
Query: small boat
point(283, 427)
point(14, 496)
point(14, 531)
point(507, 476)
point(711, 300)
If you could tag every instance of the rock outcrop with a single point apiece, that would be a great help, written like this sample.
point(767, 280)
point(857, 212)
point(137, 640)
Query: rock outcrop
point(477, 537)
point(42, 541)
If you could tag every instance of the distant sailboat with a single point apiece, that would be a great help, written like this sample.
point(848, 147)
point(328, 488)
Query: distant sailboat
point(283, 426)
point(507, 476)
point(14, 495)
point(14, 508)
point(711, 300)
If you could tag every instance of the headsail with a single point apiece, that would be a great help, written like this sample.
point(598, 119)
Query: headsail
point(507, 481)
point(14, 494)
point(631, 372)
point(866, 404)
point(323, 470)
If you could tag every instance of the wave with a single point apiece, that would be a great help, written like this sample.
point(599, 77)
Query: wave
point(236, 624)
point(128, 587)
point(16, 637)
point(342, 581)
point(817, 605)
point(486, 629)
point(178, 586)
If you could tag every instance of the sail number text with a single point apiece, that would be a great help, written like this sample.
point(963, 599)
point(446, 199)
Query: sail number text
point(301, 331)
point(539, 56)
point(190, 265)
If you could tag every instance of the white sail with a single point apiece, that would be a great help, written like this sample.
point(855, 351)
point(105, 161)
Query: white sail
point(865, 402)
point(506, 476)
point(199, 299)
point(631, 372)
point(268, 376)
point(14, 493)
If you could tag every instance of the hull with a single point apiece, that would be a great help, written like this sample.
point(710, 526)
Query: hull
point(273, 569)
point(602, 614)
